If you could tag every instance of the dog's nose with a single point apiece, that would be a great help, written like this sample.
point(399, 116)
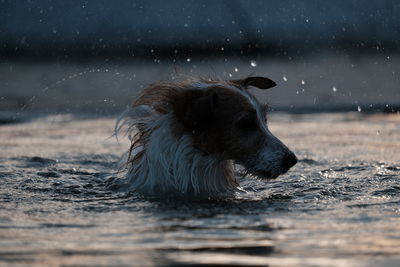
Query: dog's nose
point(289, 160)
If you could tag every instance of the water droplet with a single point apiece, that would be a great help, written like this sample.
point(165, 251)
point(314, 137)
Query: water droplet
point(188, 59)
point(253, 63)
point(230, 75)
point(359, 109)
point(303, 82)
point(334, 89)
point(284, 78)
point(186, 25)
point(297, 92)
point(236, 69)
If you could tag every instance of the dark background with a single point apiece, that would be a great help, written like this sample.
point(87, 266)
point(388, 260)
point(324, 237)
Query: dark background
point(93, 56)
point(55, 28)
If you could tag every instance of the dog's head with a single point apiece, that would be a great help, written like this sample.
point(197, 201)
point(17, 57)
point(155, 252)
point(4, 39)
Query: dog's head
point(226, 121)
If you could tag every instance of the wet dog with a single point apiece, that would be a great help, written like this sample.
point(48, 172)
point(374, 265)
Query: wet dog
point(187, 135)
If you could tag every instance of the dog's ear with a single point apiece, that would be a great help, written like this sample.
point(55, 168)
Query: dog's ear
point(259, 82)
point(199, 111)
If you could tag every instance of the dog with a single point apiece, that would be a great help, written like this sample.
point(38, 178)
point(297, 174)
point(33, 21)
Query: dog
point(187, 135)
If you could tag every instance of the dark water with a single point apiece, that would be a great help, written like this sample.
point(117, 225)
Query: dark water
point(60, 211)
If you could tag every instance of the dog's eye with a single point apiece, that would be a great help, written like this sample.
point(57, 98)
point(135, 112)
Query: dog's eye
point(247, 123)
point(264, 111)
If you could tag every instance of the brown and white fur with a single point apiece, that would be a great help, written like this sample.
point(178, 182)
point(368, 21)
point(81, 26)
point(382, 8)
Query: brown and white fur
point(186, 137)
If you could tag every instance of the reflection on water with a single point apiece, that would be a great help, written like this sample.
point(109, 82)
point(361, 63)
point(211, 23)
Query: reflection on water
point(338, 206)
point(322, 213)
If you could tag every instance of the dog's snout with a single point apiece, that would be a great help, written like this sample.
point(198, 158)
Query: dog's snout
point(289, 160)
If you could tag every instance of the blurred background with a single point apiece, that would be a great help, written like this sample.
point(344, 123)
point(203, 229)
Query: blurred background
point(94, 56)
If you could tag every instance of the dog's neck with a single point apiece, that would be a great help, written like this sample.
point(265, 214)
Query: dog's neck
point(164, 162)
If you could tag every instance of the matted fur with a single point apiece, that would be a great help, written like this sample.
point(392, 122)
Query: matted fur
point(161, 160)
point(165, 158)
point(164, 163)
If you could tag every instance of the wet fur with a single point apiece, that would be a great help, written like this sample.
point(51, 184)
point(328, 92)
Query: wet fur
point(175, 146)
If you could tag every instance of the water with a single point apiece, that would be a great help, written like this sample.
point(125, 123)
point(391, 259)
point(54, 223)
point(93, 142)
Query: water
point(334, 208)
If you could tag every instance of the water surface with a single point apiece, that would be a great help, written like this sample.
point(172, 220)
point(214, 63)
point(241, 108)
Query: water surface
point(334, 208)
